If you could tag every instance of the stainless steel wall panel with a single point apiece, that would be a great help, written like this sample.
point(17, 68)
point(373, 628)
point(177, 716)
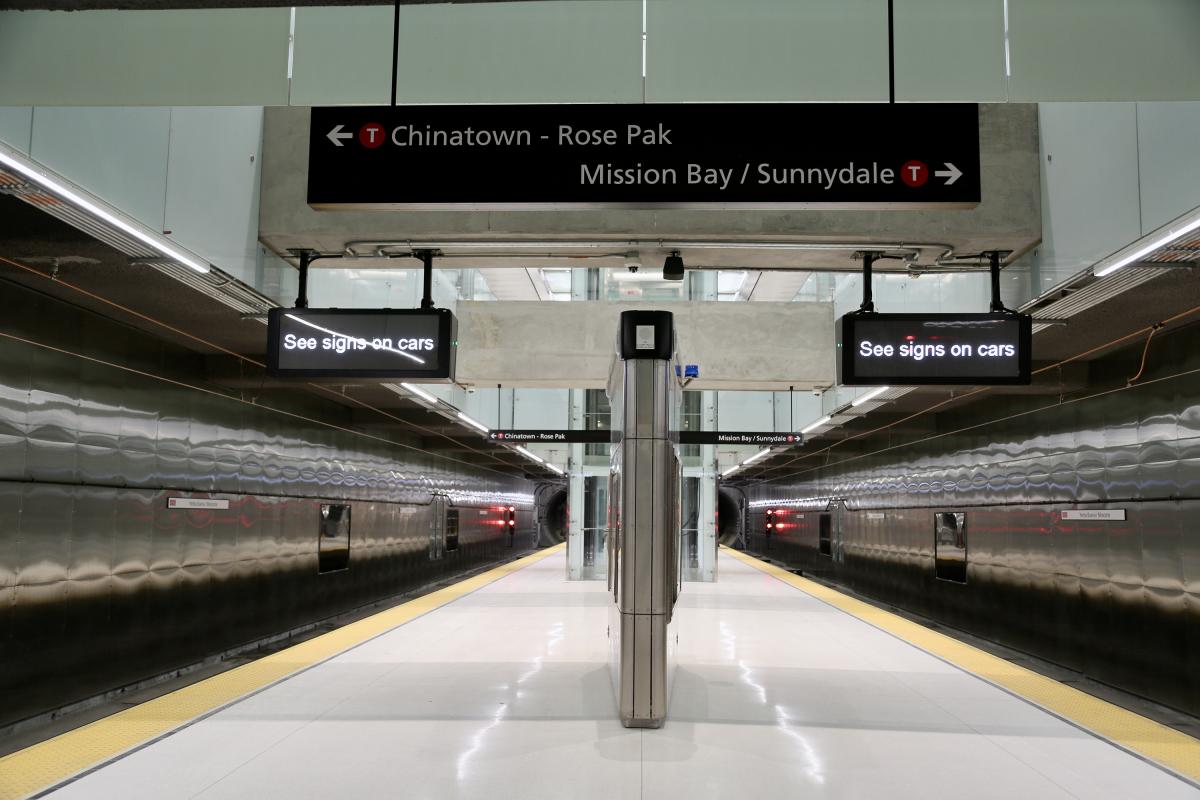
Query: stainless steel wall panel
point(93, 526)
point(45, 535)
point(54, 394)
point(14, 455)
point(1189, 545)
point(10, 533)
point(14, 391)
point(1070, 591)
point(101, 583)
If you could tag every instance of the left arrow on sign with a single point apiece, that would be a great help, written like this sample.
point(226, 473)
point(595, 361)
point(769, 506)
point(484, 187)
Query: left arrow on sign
point(337, 134)
point(951, 173)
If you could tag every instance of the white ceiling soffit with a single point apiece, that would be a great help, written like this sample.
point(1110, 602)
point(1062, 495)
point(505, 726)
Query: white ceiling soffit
point(778, 286)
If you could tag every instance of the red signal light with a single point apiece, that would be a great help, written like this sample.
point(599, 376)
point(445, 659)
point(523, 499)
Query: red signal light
point(512, 508)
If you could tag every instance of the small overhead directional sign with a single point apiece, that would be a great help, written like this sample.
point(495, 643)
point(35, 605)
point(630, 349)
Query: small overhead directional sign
point(756, 155)
point(557, 436)
point(758, 439)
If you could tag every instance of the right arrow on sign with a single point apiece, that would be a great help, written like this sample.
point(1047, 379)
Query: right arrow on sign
point(951, 173)
point(336, 135)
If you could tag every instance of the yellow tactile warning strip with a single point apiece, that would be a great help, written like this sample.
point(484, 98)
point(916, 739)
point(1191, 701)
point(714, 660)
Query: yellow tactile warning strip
point(1143, 737)
point(37, 768)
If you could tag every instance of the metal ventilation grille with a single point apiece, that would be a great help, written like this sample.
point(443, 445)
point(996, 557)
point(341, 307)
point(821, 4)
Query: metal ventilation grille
point(216, 284)
point(1098, 292)
point(39, 198)
point(1183, 250)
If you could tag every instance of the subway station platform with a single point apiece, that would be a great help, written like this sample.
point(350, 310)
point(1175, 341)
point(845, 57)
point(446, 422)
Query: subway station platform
point(498, 687)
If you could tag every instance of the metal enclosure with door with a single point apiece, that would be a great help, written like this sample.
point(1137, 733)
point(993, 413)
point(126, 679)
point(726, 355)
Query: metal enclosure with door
point(644, 566)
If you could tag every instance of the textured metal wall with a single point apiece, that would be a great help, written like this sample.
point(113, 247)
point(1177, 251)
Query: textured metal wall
point(1118, 601)
point(102, 585)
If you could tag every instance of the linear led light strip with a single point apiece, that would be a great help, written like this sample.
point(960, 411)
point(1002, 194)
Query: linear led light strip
point(1161, 241)
point(314, 326)
point(158, 243)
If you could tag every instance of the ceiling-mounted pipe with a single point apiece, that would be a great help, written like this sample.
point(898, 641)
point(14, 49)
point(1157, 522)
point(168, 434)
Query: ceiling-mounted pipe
point(517, 248)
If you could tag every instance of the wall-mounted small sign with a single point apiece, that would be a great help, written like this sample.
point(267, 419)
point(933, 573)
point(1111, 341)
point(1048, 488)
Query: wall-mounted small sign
point(1096, 514)
point(197, 502)
point(875, 515)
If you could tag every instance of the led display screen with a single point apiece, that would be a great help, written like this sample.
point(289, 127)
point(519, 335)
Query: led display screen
point(933, 349)
point(352, 343)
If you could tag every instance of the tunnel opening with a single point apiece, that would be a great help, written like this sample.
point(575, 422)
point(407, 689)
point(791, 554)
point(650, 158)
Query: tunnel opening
point(553, 514)
point(729, 517)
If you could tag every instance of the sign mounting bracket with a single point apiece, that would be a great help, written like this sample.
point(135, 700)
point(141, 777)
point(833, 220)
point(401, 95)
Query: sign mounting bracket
point(997, 306)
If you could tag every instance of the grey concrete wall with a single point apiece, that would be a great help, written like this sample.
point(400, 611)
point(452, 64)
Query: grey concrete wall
point(736, 345)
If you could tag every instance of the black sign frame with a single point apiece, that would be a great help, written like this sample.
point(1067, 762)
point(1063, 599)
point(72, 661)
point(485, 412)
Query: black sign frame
point(446, 341)
point(436, 156)
point(729, 438)
point(845, 333)
point(523, 436)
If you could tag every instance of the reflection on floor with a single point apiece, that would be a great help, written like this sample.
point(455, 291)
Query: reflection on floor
point(505, 694)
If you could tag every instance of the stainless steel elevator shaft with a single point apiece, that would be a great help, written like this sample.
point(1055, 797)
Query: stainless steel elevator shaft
point(644, 516)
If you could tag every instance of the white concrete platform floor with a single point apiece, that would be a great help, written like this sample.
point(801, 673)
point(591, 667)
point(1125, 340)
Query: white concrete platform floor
point(505, 693)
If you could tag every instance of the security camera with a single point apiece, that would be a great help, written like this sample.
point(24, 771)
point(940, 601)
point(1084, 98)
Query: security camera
point(817, 392)
point(633, 262)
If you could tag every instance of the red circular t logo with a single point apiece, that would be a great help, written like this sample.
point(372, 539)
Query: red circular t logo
point(371, 135)
point(914, 173)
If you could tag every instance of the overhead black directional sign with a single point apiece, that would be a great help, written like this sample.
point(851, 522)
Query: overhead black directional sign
point(785, 155)
point(369, 343)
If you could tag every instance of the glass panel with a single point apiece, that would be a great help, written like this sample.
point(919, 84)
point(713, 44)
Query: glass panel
point(690, 527)
point(595, 527)
point(1089, 50)
point(966, 33)
point(950, 546)
point(451, 529)
point(521, 52)
point(766, 50)
point(333, 548)
point(342, 56)
point(209, 57)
